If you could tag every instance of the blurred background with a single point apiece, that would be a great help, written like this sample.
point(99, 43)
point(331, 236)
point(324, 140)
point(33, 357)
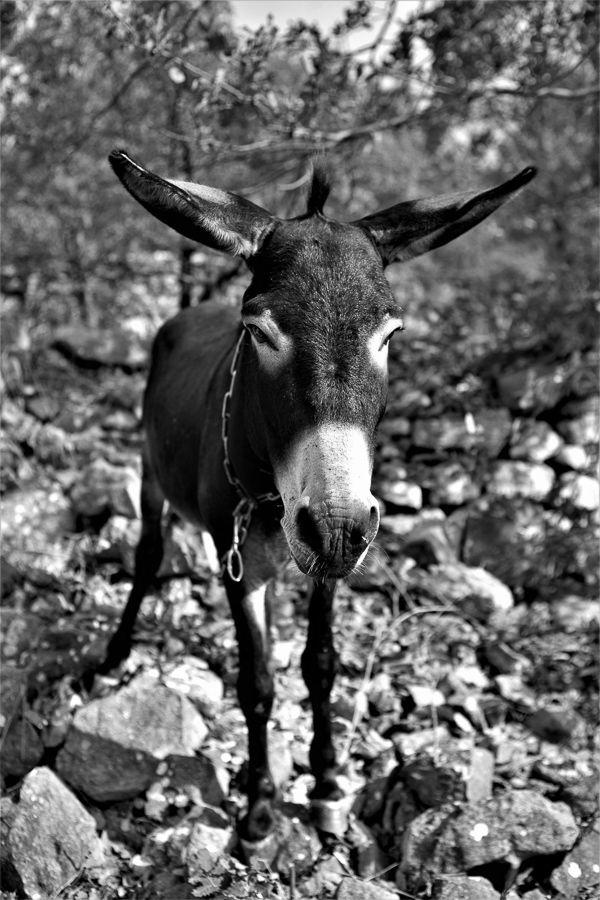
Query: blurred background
point(410, 99)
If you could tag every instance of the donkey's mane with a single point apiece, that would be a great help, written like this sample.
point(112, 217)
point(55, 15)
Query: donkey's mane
point(322, 180)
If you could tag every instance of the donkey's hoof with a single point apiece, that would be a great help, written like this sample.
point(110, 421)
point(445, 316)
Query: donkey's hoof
point(265, 850)
point(331, 816)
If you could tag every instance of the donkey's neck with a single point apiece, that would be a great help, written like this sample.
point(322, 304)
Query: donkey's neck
point(247, 444)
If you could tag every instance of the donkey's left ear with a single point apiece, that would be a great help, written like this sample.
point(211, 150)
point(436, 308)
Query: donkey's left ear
point(409, 229)
point(207, 215)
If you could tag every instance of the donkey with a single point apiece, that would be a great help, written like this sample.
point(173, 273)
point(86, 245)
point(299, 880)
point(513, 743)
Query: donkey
point(260, 428)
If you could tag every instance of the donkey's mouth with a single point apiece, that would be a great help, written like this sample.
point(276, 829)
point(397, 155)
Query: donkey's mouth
point(323, 551)
point(316, 566)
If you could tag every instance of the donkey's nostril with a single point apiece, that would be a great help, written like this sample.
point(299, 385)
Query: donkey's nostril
point(358, 536)
point(373, 523)
point(364, 529)
point(308, 531)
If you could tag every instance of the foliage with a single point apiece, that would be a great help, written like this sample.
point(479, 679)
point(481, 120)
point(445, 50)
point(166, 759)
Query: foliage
point(231, 880)
point(460, 95)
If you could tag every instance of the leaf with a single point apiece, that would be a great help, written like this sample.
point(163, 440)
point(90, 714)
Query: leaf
point(208, 886)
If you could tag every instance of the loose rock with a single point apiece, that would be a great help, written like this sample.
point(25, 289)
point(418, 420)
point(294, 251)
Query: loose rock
point(475, 591)
point(370, 858)
point(506, 660)
point(53, 837)
point(401, 493)
point(536, 386)
point(299, 846)
point(210, 838)
point(573, 612)
point(505, 537)
point(22, 746)
point(522, 823)
point(461, 887)
point(487, 428)
point(580, 867)
point(582, 491)
point(452, 485)
point(193, 679)
point(104, 487)
point(429, 542)
point(454, 774)
point(582, 796)
point(583, 427)
point(396, 426)
point(355, 889)
point(402, 524)
point(410, 744)
point(194, 779)
point(574, 456)
point(114, 744)
point(557, 725)
point(534, 440)
point(508, 478)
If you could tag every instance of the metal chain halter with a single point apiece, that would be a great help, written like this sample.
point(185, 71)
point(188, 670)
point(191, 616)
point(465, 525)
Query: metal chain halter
point(242, 514)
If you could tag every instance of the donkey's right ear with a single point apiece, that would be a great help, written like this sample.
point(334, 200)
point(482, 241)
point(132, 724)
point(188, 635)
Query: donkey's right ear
point(207, 215)
point(409, 229)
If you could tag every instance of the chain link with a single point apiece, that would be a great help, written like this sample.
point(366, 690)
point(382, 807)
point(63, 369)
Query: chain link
point(242, 514)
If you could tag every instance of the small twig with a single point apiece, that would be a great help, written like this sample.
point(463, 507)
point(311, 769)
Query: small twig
point(400, 589)
point(365, 680)
point(13, 715)
point(343, 863)
point(384, 634)
point(398, 890)
point(72, 879)
point(295, 184)
point(382, 872)
point(389, 16)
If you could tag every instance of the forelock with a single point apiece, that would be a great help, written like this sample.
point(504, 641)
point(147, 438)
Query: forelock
point(322, 180)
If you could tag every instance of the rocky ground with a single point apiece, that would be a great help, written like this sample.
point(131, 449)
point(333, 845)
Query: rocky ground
point(466, 706)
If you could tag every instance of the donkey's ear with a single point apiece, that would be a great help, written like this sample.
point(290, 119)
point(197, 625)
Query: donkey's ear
point(207, 215)
point(409, 229)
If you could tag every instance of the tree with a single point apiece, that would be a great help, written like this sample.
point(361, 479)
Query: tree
point(465, 92)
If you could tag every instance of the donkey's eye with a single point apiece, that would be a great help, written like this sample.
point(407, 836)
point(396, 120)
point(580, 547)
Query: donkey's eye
point(258, 334)
point(389, 337)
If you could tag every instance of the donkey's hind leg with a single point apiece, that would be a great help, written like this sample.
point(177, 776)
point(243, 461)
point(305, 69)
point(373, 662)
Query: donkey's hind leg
point(148, 557)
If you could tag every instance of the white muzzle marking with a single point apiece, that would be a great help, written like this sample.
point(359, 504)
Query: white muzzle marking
point(328, 467)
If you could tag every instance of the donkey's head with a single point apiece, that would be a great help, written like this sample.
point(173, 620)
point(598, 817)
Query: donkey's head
point(320, 314)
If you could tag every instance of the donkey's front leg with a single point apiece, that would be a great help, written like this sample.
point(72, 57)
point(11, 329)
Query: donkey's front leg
point(319, 668)
point(255, 691)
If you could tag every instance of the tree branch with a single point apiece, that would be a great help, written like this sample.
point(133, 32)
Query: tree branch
point(556, 92)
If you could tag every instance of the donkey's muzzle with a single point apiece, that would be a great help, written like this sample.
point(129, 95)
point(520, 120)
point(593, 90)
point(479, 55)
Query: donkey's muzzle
point(329, 539)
